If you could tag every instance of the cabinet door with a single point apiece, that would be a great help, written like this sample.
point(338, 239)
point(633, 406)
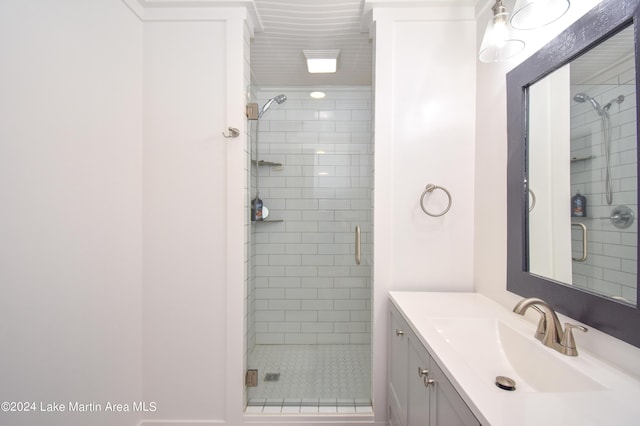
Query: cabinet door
point(418, 393)
point(447, 407)
point(394, 419)
point(412, 400)
point(398, 332)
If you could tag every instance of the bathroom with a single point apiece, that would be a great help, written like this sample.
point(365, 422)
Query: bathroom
point(125, 209)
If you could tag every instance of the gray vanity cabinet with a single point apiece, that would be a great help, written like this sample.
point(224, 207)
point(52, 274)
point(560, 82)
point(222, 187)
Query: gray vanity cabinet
point(450, 410)
point(418, 370)
point(419, 392)
point(398, 357)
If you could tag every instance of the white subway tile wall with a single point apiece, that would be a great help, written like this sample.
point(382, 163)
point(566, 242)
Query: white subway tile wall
point(611, 265)
point(305, 286)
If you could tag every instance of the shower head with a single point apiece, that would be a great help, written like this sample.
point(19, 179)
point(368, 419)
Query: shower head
point(583, 97)
point(280, 98)
point(617, 100)
point(277, 99)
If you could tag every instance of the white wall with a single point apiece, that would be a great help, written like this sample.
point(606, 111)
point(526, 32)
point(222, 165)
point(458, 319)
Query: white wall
point(549, 220)
point(424, 133)
point(97, 103)
point(184, 213)
point(70, 221)
point(490, 208)
point(194, 250)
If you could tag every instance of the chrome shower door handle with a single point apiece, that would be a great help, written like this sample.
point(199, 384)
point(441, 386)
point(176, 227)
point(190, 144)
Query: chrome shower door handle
point(357, 245)
point(583, 228)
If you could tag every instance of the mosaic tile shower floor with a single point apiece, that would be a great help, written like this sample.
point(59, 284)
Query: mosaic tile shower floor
point(312, 379)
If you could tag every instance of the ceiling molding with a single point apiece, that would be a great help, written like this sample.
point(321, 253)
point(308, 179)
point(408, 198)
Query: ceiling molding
point(195, 10)
point(370, 4)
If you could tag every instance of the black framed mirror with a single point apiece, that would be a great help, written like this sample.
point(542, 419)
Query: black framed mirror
point(608, 306)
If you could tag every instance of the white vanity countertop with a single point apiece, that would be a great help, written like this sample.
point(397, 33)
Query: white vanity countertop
point(616, 402)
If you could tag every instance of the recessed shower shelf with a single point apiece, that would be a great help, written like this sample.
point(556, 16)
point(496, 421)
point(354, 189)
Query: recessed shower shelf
point(574, 159)
point(266, 163)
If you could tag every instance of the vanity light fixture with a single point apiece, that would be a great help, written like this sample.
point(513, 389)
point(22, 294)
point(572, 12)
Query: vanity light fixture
point(532, 14)
point(322, 61)
point(317, 95)
point(498, 43)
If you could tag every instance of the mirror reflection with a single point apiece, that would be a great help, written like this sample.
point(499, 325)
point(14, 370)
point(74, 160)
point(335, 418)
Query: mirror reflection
point(582, 172)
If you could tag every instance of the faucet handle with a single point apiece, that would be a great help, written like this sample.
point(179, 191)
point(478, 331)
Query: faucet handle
point(568, 343)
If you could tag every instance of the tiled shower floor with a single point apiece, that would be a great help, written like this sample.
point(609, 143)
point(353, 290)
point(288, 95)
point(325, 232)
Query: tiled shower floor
point(313, 379)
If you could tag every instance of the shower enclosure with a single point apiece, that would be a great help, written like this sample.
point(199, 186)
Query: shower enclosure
point(603, 169)
point(308, 322)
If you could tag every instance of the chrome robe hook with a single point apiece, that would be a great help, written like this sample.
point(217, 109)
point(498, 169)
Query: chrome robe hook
point(233, 133)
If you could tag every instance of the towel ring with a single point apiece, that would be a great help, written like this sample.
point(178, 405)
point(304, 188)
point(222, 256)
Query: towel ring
point(532, 204)
point(430, 188)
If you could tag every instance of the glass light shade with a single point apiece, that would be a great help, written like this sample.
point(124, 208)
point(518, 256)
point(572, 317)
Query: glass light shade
point(531, 14)
point(498, 43)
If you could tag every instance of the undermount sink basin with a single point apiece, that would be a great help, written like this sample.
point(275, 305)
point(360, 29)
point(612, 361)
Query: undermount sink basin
point(494, 348)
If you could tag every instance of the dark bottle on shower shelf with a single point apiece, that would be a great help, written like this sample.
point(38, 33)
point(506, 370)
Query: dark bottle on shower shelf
point(578, 205)
point(256, 208)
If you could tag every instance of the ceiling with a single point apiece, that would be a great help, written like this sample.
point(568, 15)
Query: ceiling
point(291, 26)
point(593, 67)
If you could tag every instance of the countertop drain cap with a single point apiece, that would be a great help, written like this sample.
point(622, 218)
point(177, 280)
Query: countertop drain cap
point(505, 383)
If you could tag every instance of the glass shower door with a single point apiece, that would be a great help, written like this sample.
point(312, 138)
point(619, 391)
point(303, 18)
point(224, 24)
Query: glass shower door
point(309, 302)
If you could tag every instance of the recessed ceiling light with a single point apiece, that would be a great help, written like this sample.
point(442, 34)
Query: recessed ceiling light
point(321, 66)
point(317, 95)
point(322, 61)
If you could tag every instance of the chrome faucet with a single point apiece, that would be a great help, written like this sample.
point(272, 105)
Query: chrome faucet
point(549, 330)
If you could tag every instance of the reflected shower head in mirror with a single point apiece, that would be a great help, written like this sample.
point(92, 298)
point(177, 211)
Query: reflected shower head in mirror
point(617, 100)
point(277, 99)
point(583, 97)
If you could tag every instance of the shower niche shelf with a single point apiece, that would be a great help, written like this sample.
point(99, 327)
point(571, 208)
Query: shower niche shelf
point(575, 159)
point(266, 163)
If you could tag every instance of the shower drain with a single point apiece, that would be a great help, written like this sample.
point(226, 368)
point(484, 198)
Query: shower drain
point(272, 377)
